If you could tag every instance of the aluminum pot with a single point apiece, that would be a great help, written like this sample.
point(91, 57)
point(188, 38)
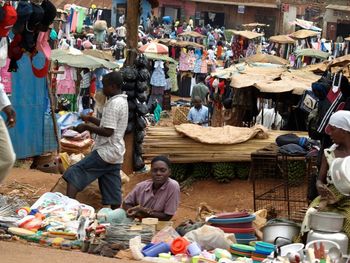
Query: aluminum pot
point(327, 222)
point(275, 229)
point(339, 238)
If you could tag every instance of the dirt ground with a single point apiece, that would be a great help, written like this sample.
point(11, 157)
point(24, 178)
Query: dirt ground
point(31, 184)
point(236, 195)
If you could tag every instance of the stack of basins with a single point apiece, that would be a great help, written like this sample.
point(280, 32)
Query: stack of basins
point(238, 223)
point(262, 251)
point(239, 250)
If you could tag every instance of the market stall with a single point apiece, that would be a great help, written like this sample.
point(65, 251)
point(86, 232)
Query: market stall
point(309, 56)
point(283, 45)
point(245, 43)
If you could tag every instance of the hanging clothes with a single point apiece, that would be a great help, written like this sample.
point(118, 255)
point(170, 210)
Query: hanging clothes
point(80, 20)
point(6, 77)
point(158, 75)
point(198, 61)
point(183, 61)
point(66, 81)
point(191, 60)
point(204, 63)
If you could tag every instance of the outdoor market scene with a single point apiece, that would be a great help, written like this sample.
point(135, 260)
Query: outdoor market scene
point(194, 131)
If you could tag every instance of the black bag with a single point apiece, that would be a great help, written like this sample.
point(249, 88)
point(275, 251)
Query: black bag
point(227, 98)
point(138, 162)
point(132, 105)
point(130, 127)
point(142, 97)
point(141, 86)
point(130, 93)
point(141, 108)
point(129, 74)
point(144, 75)
point(139, 136)
point(131, 116)
point(128, 86)
point(140, 123)
point(138, 148)
point(141, 61)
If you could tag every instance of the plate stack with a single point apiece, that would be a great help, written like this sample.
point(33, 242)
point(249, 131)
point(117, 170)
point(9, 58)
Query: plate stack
point(239, 250)
point(238, 223)
point(262, 251)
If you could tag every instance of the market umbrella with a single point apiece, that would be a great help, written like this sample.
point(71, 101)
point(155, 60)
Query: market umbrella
point(191, 34)
point(309, 52)
point(246, 34)
point(106, 55)
point(266, 58)
point(75, 58)
point(160, 57)
point(303, 33)
point(154, 47)
point(282, 39)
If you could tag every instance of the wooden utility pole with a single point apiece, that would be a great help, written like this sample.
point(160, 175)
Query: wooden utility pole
point(132, 22)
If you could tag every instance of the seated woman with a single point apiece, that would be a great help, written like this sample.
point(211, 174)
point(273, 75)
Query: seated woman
point(330, 199)
point(157, 197)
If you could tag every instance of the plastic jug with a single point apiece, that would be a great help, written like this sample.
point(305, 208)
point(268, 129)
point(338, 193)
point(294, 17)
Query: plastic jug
point(156, 249)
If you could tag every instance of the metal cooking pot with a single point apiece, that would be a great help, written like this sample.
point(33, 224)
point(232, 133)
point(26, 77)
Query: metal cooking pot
point(280, 228)
point(327, 222)
point(340, 238)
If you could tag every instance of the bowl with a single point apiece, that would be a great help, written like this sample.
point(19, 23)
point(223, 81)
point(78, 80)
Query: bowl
point(327, 222)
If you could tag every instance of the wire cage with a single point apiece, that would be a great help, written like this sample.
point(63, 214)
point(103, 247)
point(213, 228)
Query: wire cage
point(280, 184)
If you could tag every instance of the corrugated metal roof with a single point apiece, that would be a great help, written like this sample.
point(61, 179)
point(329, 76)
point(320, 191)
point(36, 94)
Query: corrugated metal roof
point(226, 2)
point(339, 7)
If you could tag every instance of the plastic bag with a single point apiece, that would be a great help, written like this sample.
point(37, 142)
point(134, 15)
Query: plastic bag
point(129, 74)
point(139, 164)
point(139, 136)
point(141, 123)
point(3, 51)
point(128, 86)
point(141, 108)
point(136, 248)
point(142, 86)
point(167, 235)
point(142, 97)
point(144, 75)
point(209, 238)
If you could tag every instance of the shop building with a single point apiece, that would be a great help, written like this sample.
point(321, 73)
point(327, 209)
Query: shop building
point(336, 21)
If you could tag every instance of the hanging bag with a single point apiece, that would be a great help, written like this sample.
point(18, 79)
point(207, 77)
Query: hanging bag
point(3, 51)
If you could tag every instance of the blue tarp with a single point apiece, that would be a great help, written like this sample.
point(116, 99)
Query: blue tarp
point(30, 101)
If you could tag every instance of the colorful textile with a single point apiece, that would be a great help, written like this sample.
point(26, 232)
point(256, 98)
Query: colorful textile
point(6, 77)
point(66, 81)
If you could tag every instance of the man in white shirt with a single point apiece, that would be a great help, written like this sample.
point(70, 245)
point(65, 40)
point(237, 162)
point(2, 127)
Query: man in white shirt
point(198, 114)
point(104, 162)
point(7, 154)
point(121, 32)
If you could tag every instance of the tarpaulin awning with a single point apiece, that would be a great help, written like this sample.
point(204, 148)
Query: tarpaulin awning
point(282, 39)
point(106, 55)
point(173, 42)
point(309, 52)
point(160, 57)
point(250, 75)
point(319, 67)
point(303, 33)
point(191, 34)
point(306, 24)
point(80, 60)
point(340, 61)
point(228, 2)
point(254, 25)
point(339, 7)
point(246, 34)
point(266, 58)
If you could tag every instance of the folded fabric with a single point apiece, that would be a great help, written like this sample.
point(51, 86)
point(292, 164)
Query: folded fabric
point(76, 144)
point(292, 149)
point(291, 139)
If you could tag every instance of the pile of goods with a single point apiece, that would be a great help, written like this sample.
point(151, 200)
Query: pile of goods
point(238, 223)
point(75, 142)
point(136, 83)
point(222, 172)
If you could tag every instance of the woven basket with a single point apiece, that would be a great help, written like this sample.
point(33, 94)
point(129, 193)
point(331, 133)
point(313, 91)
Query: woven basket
point(180, 115)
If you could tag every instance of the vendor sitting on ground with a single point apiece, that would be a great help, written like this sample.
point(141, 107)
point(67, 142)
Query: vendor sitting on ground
point(330, 199)
point(104, 162)
point(198, 114)
point(157, 197)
